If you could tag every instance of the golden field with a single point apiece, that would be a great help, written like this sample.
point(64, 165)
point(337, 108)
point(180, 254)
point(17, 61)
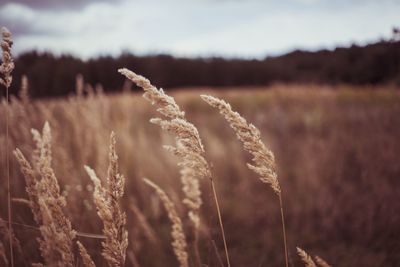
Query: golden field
point(337, 153)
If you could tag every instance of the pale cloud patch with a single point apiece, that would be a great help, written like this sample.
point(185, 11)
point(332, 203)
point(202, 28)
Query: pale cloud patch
point(199, 27)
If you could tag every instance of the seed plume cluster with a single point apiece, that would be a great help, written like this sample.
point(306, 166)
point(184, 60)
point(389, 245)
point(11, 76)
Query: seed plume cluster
point(308, 261)
point(7, 65)
point(321, 262)
point(109, 209)
point(47, 203)
point(179, 240)
point(263, 158)
point(87, 260)
point(189, 147)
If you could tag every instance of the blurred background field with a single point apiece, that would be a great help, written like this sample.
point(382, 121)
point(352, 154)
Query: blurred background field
point(336, 149)
point(319, 78)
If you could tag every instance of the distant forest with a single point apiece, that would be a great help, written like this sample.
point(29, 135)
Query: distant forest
point(373, 64)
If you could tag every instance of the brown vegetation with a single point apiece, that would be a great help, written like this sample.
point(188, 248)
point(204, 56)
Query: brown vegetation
point(326, 146)
point(352, 133)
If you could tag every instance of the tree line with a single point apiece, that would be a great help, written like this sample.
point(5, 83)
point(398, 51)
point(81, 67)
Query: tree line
point(51, 76)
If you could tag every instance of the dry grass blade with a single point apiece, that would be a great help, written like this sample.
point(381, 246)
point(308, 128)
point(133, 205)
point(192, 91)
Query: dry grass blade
point(189, 149)
point(305, 258)
point(46, 202)
point(166, 103)
point(6, 68)
point(87, 260)
point(321, 262)
point(108, 208)
point(263, 158)
point(179, 244)
point(31, 184)
point(8, 65)
point(188, 143)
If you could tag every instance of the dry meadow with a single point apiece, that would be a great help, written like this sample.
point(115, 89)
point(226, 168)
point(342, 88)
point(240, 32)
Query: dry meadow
point(337, 160)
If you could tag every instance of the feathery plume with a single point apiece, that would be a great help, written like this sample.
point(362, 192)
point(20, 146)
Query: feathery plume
point(8, 65)
point(31, 184)
point(305, 258)
point(166, 103)
point(87, 260)
point(263, 158)
point(47, 203)
point(321, 262)
point(109, 210)
point(6, 68)
point(179, 240)
point(189, 149)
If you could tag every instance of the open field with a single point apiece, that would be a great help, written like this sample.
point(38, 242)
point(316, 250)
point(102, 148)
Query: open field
point(337, 154)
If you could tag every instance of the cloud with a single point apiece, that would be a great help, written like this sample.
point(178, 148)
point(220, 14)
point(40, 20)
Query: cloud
point(55, 4)
point(280, 32)
point(200, 27)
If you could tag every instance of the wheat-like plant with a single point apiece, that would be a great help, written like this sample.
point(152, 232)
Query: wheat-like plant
point(8, 65)
point(188, 143)
point(6, 68)
point(321, 262)
point(308, 261)
point(263, 158)
point(179, 240)
point(109, 210)
point(87, 260)
point(189, 149)
point(47, 203)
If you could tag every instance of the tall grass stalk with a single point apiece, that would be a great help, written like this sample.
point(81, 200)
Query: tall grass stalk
point(263, 158)
point(220, 221)
point(5, 69)
point(189, 148)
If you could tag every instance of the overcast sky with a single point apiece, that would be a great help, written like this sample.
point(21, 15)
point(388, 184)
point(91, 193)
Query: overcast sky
point(234, 28)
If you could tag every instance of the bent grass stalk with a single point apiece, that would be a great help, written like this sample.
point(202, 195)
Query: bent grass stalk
point(263, 158)
point(189, 149)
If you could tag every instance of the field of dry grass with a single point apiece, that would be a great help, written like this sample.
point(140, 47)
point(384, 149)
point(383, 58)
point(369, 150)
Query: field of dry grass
point(337, 160)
